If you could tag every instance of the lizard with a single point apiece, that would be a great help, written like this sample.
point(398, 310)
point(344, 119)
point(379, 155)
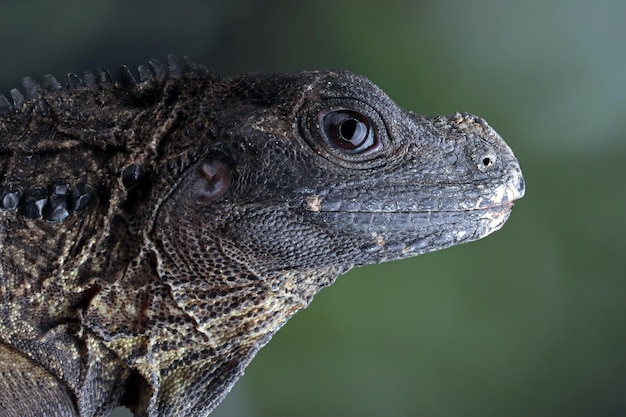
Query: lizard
point(157, 228)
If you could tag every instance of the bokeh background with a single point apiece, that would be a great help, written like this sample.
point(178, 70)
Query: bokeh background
point(527, 322)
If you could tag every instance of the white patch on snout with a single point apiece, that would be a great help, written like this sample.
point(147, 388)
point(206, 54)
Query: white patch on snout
point(503, 193)
point(313, 203)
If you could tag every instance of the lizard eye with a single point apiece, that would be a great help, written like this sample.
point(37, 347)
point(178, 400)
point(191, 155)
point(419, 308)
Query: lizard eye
point(349, 130)
point(345, 131)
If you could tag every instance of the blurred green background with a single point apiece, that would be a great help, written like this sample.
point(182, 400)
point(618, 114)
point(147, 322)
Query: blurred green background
point(527, 322)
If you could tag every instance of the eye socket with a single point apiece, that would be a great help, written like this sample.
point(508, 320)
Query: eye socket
point(349, 130)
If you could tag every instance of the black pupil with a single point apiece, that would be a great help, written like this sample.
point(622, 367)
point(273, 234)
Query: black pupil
point(349, 130)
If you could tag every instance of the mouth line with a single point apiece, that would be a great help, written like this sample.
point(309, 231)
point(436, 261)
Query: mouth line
point(313, 204)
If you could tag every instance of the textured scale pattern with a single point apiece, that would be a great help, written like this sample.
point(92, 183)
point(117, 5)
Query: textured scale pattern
point(156, 229)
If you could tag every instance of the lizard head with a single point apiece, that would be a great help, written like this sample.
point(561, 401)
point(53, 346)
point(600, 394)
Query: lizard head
point(322, 169)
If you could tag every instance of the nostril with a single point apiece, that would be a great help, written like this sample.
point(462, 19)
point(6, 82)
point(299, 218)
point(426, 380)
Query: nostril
point(486, 161)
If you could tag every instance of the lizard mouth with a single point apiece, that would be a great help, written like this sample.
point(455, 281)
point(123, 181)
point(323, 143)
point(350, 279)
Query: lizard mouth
point(391, 220)
point(410, 225)
point(455, 199)
point(314, 204)
point(424, 198)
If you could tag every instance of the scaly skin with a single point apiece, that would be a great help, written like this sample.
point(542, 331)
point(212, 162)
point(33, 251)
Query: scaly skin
point(155, 234)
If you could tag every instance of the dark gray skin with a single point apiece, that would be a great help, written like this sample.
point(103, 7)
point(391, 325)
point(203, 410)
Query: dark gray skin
point(155, 234)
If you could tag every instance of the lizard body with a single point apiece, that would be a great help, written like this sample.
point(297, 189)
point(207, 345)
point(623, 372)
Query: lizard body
point(154, 234)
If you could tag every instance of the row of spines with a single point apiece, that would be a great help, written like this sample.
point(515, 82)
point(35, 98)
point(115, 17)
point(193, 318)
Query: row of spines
point(154, 70)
